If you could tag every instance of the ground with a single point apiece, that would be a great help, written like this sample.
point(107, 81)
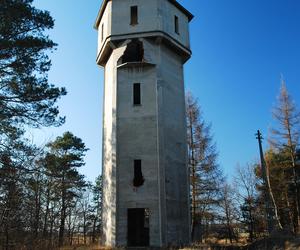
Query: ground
point(277, 242)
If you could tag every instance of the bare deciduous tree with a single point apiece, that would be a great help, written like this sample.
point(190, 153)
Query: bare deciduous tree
point(286, 138)
point(205, 174)
point(229, 211)
point(246, 182)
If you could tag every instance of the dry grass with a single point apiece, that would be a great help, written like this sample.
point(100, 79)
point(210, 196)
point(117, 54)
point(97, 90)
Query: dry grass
point(280, 242)
point(90, 247)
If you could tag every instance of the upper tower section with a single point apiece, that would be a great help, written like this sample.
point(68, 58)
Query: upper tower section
point(119, 20)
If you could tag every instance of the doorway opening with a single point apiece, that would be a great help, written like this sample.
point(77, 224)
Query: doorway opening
point(138, 227)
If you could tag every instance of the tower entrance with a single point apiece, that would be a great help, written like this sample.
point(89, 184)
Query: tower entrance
point(138, 227)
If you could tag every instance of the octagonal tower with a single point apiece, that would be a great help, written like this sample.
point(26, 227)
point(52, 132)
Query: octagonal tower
point(143, 45)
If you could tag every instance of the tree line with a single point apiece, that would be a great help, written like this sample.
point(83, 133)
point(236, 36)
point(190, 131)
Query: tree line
point(44, 200)
point(239, 211)
point(47, 202)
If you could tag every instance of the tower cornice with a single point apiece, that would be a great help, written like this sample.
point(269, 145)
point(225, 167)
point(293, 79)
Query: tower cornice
point(166, 38)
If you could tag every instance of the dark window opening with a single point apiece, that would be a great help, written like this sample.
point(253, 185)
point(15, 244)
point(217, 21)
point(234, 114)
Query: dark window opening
point(176, 23)
point(134, 52)
point(133, 15)
point(136, 94)
point(138, 227)
point(138, 179)
point(102, 32)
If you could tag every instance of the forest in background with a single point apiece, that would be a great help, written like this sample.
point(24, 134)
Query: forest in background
point(44, 200)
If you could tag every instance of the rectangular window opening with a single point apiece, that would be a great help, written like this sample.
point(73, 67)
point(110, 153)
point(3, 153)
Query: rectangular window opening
point(102, 32)
point(176, 22)
point(138, 179)
point(136, 94)
point(133, 15)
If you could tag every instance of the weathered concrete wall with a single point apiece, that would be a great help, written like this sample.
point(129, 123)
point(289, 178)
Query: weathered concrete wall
point(173, 157)
point(153, 16)
point(154, 132)
point(167, 11)
point(147, 17)
point(109, 161)
point(105, 23)
point(137, 139)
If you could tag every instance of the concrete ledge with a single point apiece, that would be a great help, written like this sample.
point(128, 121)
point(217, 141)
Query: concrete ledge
point(134, 64)
point(109, 43)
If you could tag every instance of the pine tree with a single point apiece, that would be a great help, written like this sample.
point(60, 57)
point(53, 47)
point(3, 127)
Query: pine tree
point(26, 99)
point(96, 216)
point(66, 155)
point(12, 221)
point(25, 94)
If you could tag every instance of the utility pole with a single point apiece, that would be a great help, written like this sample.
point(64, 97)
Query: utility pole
point(273, 221)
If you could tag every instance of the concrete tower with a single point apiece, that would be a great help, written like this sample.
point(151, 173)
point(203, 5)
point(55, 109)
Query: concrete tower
point(143, 45)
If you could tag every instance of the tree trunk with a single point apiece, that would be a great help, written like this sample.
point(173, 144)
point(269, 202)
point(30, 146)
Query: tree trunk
point(251, 226)
point(228, 221)
point(6, 238)
point(193, 180)
point(94, 230)
point(296, 195)
point(84, 227)
point(69, 227)
point(62, 225)
point(37, 210)
point(62, 214)
point(46, 212)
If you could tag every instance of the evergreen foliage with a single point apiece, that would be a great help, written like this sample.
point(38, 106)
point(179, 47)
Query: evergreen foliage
point(26, 96)
point(40, 188)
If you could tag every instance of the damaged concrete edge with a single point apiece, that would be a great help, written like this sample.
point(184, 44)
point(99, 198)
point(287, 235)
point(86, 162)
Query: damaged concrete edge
point(134, 54)
point(109, 41)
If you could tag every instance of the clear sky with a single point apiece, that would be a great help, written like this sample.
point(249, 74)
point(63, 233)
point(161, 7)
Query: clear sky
point(240, 48)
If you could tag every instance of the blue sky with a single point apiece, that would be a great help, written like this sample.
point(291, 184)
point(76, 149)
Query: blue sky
point(240, 48)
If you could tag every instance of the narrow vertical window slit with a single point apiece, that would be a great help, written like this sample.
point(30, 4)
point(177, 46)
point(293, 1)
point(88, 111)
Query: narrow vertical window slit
point(133, 15)
point(176, 24)
point(138, 179)
point(136, 94)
